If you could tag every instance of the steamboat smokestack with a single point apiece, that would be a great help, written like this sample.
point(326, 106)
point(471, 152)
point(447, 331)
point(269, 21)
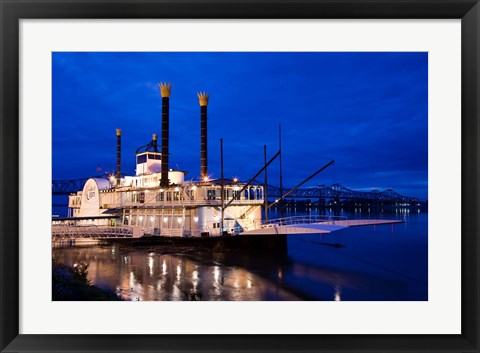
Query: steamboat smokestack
point(165, 89)
point(155, 142)
point(203, 100)
point(119, 155)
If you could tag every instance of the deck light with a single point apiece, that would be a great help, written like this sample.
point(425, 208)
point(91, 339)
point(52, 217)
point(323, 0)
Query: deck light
point(165, 219)
point(179, 220)
point(195, 219)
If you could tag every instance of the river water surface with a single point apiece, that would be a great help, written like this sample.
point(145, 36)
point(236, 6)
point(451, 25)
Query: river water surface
point(387, 262)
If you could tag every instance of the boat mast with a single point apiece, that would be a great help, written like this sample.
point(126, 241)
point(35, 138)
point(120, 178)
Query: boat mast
point(265, 193)
point(281, 177)
point(237, 195)
point(222, 187)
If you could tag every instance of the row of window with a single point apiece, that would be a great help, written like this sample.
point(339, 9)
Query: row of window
point(143, 158)
point(212, 194)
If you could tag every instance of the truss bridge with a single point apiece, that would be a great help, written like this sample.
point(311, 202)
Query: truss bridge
point(337, 191)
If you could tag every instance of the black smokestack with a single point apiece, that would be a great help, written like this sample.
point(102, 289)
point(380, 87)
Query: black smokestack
point(203, 100)
point(119, 155)
point(154, 142)
point(165, 89)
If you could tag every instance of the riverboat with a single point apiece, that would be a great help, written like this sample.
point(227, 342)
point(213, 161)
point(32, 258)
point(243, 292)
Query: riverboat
point(160, 199)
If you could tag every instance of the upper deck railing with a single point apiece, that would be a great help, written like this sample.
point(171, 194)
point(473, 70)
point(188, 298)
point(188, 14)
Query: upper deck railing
point(180, 203)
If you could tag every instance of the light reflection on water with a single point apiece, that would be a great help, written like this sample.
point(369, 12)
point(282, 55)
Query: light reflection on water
point(388, 262)
point(138, 275)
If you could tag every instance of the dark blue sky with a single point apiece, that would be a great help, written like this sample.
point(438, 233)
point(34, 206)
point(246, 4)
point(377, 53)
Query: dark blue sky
point(367, 111)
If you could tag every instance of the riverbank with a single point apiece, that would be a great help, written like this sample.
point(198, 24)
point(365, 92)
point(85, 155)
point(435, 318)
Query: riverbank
point(71, 284)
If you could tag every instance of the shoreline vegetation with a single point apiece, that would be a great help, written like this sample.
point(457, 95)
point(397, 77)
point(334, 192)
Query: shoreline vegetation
point(71, 284)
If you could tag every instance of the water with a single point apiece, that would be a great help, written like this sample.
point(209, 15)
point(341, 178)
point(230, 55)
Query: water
point(387, 262)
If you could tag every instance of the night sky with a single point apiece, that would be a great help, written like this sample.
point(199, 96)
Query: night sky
point(366, 111)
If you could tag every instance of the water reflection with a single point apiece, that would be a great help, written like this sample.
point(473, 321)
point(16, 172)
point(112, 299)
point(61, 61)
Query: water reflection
point(137, 275)
point(360, 263)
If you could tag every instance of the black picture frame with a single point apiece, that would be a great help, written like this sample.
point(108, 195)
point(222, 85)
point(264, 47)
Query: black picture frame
point(12, 11)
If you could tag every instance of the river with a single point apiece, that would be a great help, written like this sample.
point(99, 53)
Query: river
point(368, 263)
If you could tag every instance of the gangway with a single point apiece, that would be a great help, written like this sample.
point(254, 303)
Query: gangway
point(314, 224)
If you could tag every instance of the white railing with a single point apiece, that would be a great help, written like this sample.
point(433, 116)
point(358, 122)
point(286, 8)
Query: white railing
point(70, 232)
point(184, 203)
point(307, 219)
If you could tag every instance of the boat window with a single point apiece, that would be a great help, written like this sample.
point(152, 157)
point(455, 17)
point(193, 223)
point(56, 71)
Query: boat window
point(142, 159)
point(157, 156)
point(211, 194)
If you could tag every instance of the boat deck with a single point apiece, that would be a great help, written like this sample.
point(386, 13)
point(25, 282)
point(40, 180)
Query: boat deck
point(314, 225)
point(367, 222)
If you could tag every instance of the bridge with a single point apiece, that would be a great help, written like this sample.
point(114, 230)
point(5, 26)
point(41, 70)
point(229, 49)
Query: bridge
point(335, 191)
point(66, 187)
